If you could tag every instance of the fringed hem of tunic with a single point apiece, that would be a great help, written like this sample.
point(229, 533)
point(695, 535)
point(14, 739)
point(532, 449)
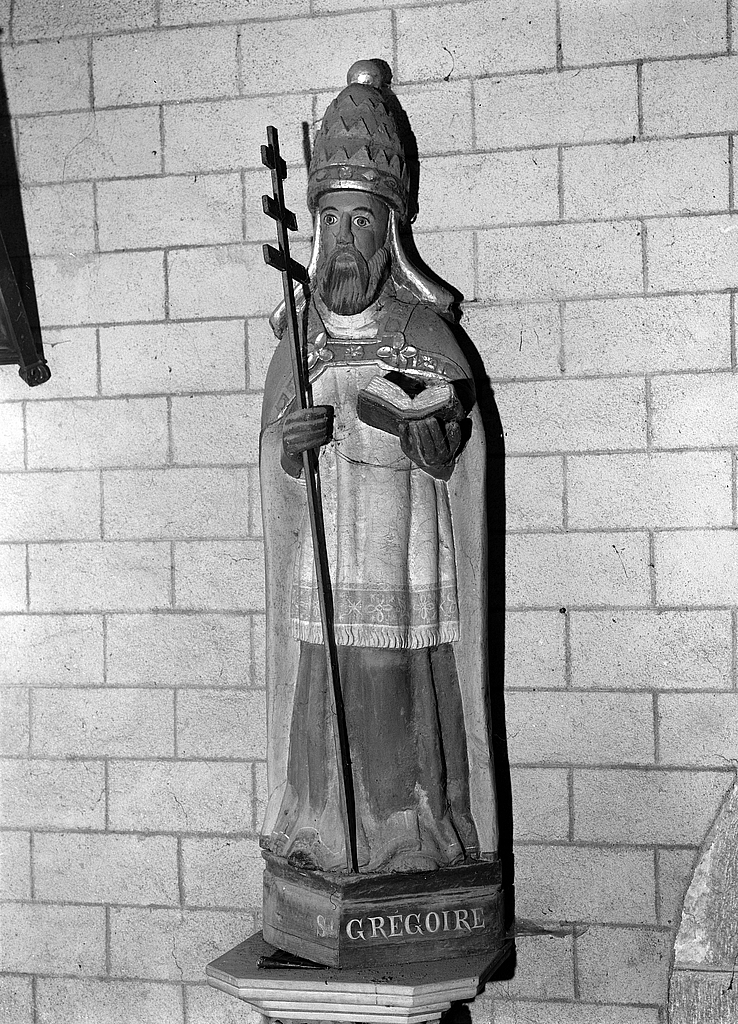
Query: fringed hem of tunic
point(373, 635)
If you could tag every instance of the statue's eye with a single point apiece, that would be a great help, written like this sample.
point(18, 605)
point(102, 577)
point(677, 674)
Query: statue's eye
point(361, 222)
point(330, 219)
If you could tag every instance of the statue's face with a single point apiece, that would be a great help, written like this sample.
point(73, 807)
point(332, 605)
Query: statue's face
point(353, 218)
point(354, 254)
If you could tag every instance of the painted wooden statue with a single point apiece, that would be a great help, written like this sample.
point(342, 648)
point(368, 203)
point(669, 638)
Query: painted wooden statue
point(401, 469)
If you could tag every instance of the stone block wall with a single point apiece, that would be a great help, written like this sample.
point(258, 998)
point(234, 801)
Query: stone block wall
point(577, 186)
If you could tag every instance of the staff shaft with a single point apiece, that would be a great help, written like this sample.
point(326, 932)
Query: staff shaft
point(303, 398)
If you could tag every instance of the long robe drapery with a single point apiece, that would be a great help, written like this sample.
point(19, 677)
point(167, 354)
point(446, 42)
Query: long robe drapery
point(407, 560)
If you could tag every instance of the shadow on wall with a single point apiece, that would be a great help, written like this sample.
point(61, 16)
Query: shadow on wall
point(12, 220)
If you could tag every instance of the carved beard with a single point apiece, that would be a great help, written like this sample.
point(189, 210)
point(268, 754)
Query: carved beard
point(347, 282)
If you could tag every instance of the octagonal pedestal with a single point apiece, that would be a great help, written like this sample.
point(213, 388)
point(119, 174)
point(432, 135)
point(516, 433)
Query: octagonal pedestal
point(397, 994)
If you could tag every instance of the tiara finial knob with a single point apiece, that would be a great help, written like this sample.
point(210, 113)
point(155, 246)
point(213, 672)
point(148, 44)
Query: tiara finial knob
point(367, 72)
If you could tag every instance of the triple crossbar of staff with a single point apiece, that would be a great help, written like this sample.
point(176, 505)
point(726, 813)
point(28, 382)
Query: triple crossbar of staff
point(280, 259)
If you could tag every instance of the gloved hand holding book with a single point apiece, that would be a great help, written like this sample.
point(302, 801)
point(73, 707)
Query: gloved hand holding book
point(425, 417)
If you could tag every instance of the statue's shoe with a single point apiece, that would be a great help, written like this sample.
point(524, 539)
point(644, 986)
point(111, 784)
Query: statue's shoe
point(306, 850)
point(393, 838)
point(410, 861)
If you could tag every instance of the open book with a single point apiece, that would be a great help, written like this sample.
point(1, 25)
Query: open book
point(388, 400)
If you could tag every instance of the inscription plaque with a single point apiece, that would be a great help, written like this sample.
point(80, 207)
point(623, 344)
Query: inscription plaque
point(363, 920)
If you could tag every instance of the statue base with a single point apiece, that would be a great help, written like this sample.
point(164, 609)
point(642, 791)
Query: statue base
point(401, 994)
point(361, 920)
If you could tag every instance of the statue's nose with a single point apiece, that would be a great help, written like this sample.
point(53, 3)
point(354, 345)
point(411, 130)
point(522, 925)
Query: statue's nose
point(344, 231)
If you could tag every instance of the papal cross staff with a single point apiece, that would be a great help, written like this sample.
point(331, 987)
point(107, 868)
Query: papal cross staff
point(292, 271)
